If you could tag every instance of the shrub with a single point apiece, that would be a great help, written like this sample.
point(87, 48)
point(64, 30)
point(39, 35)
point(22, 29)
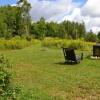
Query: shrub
point(90, 37)
point(52, 42)
point(4, 75)
point(76, 44)
point(17, 43)
point(6, 89)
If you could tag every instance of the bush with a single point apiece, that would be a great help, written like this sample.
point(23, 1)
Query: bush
point(17, 43)
point(52, 42)
point(76, 44)
point(90, 37)
point(6, 89)
point(4, 75)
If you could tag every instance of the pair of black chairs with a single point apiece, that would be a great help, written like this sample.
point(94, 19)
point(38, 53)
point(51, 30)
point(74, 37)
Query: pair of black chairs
point(71, 57)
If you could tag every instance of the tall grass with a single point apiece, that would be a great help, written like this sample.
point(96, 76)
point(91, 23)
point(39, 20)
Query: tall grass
point(16, 43)
point(76, 44)
point(20, 43)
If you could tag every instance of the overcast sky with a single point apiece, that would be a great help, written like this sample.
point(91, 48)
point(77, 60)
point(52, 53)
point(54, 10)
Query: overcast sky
point(59, 10)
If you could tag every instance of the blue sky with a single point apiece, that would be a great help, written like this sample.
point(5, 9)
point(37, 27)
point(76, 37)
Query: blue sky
point(82, 2)
point(60, 10)
point(5, 2)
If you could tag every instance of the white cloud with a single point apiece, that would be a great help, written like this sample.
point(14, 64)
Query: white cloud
point(89, 13)
point(74, 16)
point(91, 8)
point(59, 10)
point(48, 8)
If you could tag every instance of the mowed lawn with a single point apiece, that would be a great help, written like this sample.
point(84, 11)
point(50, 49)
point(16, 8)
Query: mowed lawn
point(41, 72)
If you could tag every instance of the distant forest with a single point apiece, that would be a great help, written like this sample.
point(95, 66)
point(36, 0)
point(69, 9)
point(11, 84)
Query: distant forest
point(16, 21)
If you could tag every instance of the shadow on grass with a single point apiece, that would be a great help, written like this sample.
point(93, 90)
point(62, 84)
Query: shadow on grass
point(64, 63)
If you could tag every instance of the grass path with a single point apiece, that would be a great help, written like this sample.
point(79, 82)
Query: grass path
point(41, 70)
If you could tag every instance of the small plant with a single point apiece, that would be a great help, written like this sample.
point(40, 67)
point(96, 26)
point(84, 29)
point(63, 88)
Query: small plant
point(4, 75)
point(6, 90)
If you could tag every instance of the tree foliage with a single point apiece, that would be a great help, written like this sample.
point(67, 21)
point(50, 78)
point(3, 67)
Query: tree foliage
point(90, 37)
point(65, 29)
point(16, 20)
point(8, 21)
point(23, 17)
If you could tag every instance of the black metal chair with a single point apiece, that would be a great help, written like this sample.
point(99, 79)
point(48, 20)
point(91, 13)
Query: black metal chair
point(71, 57)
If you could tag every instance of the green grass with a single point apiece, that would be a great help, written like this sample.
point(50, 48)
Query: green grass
point(42, 75)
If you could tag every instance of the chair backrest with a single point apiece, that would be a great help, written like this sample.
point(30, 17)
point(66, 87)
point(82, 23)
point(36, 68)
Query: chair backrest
point(69, 54)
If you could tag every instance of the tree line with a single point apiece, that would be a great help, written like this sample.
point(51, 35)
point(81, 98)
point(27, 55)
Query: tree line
point(65, 29)
point(16, 21)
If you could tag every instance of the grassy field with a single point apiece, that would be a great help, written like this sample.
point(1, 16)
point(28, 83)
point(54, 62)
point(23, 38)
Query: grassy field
point(43, 76)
